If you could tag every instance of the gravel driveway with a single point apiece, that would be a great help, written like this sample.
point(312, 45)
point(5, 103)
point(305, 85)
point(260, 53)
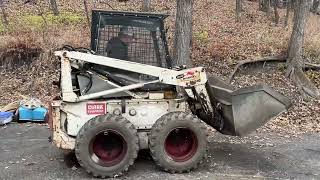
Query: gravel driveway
point(26, 154)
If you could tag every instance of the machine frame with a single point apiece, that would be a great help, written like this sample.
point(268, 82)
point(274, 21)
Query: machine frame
point(63, 135)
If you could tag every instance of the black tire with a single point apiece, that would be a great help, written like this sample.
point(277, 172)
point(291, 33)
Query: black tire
point(168, 136)
point(107, 145)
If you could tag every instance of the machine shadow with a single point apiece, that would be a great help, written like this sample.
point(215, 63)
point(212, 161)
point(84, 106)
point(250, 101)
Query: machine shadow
point(223, 156)
point(241, 157)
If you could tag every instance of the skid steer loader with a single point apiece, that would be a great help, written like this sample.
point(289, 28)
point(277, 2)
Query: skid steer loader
point(119, 98)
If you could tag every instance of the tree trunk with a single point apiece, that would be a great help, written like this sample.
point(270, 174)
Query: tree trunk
point(315, 6)
point(86, 11)
point(183, 32)
point(295, 51)
point(297, 37)
point(260, 3)
point(276, 13)
point(238, 9)
point(54, 7)
point(4, 13)
point(287, 13)
point(146, 6)
point(267, 7)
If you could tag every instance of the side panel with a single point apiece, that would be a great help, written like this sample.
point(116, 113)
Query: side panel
point(59, 136)
point(141, 113)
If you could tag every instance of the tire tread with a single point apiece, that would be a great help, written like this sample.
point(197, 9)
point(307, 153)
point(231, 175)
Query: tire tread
point(157, 130)
point(101, 119)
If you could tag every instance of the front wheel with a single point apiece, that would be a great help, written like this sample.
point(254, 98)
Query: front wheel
point(178, 142)
point(107, 145)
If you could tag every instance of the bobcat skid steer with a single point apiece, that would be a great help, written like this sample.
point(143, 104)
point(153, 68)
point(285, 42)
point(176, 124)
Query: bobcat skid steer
point(123, 95)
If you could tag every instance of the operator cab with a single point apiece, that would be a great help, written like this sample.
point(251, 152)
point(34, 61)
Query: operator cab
point(148, 43)
point(135, 37)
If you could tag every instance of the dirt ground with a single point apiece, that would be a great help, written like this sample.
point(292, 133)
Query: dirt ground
point(25, 153)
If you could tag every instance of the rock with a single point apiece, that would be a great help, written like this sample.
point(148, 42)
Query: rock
point(74, 168)
point(269, 144)
point(30, 163)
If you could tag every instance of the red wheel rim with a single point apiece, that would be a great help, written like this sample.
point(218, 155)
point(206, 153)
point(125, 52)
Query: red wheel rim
point(108, 148)
point(181, 144)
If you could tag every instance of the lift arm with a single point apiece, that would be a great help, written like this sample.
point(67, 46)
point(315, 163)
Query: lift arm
point(184, 78)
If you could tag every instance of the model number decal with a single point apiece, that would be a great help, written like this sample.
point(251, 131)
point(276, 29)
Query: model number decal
point(189, 76)
point(96, 108)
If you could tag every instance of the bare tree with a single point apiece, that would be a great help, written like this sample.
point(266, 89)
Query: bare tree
point(267, 7)
point(86, 11)
point(288, 4)
point(146, 6)
point(315, 6)
point(260, 5)
point(264, 5)
point(295, 51)
point(54, 7)
point(4, 13)
point(276, 13)
point(238, 9)
point(183, 32)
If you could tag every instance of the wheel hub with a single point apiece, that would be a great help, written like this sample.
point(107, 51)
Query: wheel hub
point(108, 148)
point(181, 144)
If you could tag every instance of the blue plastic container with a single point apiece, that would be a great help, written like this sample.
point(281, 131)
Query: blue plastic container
point(27, 114)
point(38, 114)
point(5, 117)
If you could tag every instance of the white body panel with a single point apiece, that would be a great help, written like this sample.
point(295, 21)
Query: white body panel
point(141, 113)
point(68, 118)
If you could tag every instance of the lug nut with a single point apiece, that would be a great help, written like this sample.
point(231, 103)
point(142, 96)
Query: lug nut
point(117, 112)
point(132, 112)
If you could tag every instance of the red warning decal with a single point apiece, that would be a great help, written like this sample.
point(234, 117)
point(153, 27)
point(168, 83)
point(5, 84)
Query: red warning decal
point(96, 108)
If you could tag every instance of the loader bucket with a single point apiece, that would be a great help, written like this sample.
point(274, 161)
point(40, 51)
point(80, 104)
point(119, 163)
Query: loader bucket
point(246, 109)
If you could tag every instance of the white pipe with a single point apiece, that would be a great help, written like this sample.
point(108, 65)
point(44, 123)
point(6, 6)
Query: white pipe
point(115, 63)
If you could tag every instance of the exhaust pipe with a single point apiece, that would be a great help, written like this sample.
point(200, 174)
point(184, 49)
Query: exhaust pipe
point(241, 111)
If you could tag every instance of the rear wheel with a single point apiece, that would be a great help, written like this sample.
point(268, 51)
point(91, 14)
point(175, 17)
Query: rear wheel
point(178, 142)
point(107, 145)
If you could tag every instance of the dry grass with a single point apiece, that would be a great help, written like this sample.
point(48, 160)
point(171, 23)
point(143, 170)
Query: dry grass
point(32, 80)
point(35, 78)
